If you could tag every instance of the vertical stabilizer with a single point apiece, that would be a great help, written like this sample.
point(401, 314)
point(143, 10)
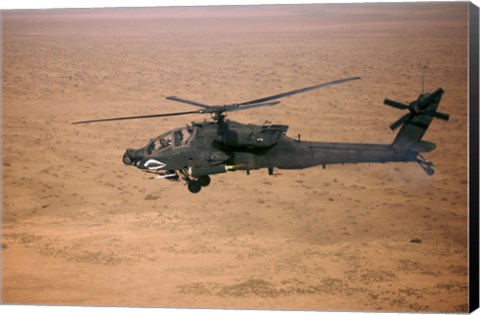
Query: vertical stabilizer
point(415, 123)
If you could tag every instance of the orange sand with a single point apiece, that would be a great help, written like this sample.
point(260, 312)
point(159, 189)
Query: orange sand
point(80, 228)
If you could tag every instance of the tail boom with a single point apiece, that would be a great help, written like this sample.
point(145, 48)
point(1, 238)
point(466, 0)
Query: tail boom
point(307, 154)
point(408, 145)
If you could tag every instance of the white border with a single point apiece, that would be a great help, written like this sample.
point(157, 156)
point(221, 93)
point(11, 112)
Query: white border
point(54, 4)
point(51, 4)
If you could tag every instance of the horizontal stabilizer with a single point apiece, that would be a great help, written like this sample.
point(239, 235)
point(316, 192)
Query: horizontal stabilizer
point(422, 146)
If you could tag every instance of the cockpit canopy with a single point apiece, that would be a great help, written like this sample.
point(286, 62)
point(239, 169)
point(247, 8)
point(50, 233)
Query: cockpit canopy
point(173, 138)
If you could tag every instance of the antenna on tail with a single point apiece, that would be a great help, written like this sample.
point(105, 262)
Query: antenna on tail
point(423, 80)
point(424, 69)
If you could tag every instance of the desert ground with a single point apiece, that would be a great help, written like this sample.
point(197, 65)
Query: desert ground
point(81, 228)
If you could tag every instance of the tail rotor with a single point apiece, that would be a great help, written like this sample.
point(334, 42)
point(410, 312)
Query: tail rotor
point(417, 107)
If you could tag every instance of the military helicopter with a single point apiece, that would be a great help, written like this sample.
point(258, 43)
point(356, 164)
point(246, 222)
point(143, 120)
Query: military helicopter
point(195, 152)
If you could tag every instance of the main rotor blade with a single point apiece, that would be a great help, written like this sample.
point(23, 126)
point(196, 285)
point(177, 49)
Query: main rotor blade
point(402, 120)
point(182, 100)
point(252, 106)
point(437, 115)
point(395, 104)
point(430, 98)
point(273, 97)
point(136, 117)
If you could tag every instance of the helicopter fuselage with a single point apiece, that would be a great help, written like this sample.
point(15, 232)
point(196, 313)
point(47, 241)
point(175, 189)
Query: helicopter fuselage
point(212, 148)
point(195, 152)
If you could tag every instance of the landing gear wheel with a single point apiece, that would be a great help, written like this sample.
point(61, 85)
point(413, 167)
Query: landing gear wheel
point(204, 180)
point(127, 160)
point(194, 186)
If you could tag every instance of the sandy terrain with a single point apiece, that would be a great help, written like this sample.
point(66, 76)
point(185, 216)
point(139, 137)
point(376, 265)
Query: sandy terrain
point(80, 228)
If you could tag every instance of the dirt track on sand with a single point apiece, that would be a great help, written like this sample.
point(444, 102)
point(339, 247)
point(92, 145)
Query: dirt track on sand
point(80, 228)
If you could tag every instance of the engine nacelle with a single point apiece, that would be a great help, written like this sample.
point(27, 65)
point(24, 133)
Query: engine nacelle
point(254, 137)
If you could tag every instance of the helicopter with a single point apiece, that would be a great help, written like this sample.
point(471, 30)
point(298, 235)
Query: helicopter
point(195, 152)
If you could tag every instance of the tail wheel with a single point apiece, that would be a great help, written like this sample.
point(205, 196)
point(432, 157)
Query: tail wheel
point(194, 186)
point(430, 171)
point(204, 180)
point(425, 164)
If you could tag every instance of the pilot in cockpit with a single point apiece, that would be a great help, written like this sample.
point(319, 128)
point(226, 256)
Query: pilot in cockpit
point(178, 137)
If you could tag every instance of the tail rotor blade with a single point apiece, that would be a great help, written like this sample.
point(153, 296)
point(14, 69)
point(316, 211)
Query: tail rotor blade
point(395, 104)
point(401, 121)
point(437, 115)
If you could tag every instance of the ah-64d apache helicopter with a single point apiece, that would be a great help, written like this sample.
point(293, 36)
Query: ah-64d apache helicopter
point(195, 152)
